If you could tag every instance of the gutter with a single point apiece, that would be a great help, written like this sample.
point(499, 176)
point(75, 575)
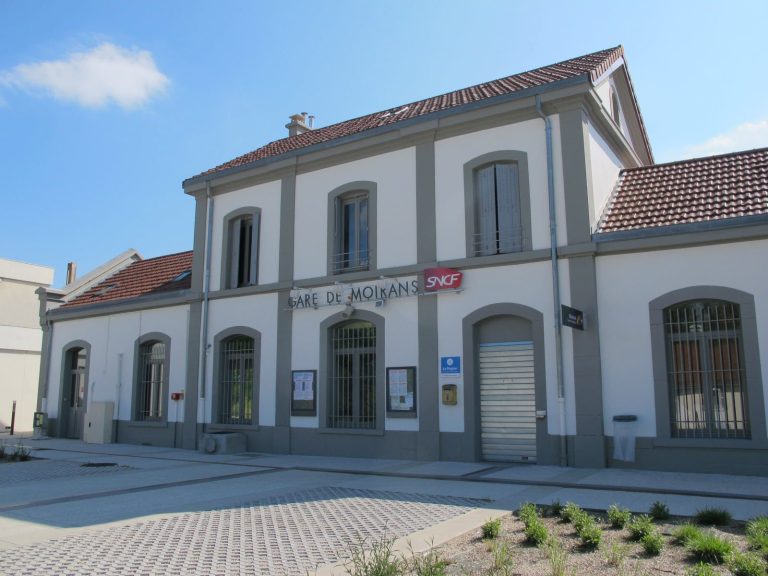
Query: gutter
point(555, 283)
point(206, 292)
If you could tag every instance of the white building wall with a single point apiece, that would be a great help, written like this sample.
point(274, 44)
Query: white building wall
point(395, 176)
point(628, 282)
point(605, 167)
point(111, 361)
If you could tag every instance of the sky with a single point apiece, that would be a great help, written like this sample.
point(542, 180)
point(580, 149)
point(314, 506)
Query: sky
point(107, 106)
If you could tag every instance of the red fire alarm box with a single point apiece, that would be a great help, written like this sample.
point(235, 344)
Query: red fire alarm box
point(177, 395)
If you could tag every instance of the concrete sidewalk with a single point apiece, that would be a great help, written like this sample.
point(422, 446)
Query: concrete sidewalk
point(90, 508)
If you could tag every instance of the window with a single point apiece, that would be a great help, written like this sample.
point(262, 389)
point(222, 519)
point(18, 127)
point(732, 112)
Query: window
point(352, 222)
point(615, 108)
point(352, 376)
point(706, 370)
point(241, 243)
point(497, 204)
point(237, 381)
point(150, 388)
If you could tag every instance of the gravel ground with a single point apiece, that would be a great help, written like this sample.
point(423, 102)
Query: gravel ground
point(471, 555)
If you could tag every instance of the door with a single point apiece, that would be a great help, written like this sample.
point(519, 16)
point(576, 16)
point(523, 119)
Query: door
point(507, 401)
point(76, 392)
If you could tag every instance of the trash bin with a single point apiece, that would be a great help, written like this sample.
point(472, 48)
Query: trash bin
point(624, 437)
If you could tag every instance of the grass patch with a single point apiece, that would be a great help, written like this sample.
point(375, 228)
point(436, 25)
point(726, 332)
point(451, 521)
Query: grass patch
point(757, 535)
point(376, 560)
point(713, 517)
point(701, 569)
point(491, 529)
point(659, 511)
point(710, 548)
point(617, 516)
point(686, 532)
point(653, 543)
point(746, 564)
point(639, 527)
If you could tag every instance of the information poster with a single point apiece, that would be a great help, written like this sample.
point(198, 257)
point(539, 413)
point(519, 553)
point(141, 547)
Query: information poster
point(303, 393)
point(401, 391)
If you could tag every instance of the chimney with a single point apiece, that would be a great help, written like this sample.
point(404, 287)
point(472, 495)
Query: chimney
point(298, 124)
point(71, 272)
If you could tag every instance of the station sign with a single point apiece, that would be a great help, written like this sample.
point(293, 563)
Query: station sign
point(436, 279)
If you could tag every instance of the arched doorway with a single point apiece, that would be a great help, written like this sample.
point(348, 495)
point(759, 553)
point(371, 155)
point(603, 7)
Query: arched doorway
point(74, 391)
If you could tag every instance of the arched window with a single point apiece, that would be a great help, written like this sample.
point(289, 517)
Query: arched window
point(615, 107)
point(240, 261)
point(237, 373)
point(151, 382)
point(352, 228)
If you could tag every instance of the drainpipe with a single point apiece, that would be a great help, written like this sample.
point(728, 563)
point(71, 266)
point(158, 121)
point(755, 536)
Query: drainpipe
point(206, 289)
point(555, 283)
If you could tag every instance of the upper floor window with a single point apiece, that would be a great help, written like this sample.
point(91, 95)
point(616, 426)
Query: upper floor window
point(615, 107)
point(151, 379)
point(352, 220)
point(497, 203)
point(242, 248)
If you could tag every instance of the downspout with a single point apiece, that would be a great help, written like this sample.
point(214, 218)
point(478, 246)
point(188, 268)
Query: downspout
point(206, 290)
point(555, 283)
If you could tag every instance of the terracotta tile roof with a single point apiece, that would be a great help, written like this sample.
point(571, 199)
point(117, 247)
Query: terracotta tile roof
point(593, 65)
point(151, 276)
point(702, 189)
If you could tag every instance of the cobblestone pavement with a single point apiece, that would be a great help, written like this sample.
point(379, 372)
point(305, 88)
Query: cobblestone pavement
point(15, 472)
point(280, 536)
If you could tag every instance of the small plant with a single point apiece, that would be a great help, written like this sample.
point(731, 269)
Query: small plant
point(503, 561)
point(527, 512)
point(616, 555)
point(21, 453)
point(555, 509)
point(618, 517)
point(746, 564)
point(557, 556)
point(429, 563)
point(713, 517)
point(685, 532)
point(659, 511)
point(569, 511)
point(757, 534)
point(639, 526)
point(2, 450)
point(710, 548)
point(491, 529)
point(701, 569)
point(536, 532)
point(653, 543)
point(581, 520)
point(379, 560)
point(591, 536)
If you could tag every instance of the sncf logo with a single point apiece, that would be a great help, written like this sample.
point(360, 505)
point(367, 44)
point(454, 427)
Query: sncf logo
point(441, 279)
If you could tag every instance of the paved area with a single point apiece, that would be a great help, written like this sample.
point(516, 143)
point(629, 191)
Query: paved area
point(122, 509)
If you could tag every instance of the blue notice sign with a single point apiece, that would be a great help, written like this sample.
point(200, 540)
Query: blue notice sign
point(450, 365)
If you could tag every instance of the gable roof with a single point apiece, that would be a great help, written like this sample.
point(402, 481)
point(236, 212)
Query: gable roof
point(151, 276)
point(688, 191)
point(591, 66)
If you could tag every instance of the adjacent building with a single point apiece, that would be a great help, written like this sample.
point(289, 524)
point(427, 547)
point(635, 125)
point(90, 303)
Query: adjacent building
point(498, 273)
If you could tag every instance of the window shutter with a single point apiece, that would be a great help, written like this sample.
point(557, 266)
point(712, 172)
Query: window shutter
point(485, 212)
point(254, 264)
point(234, 252)
point(508, 206)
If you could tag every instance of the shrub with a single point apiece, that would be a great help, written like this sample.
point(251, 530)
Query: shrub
point(618, 517)
point(639, 526)
point(616, 554)
point(653, 543)
point(746, 564)
point(709, 547)
point(555, 509)
point(569, 511)
point(582, 520)
point(503, 561)
point(701, 569)
point(713, 517)
point(527, 512)
point(557, 556)
point(491, 529)
point(659, 511)
point(591, 536)
point(757, 534)
point(21, 453)
point(379, 560)
point(685, 532)
point(2, 450)
point(536, 532)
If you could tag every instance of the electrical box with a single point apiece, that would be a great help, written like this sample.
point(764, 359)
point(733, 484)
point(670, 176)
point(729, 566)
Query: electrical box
point(176, 396)
point(450, 394)
point(98, 423)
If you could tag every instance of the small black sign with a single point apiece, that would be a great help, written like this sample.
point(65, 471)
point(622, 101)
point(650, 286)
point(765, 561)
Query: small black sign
point(572, 318)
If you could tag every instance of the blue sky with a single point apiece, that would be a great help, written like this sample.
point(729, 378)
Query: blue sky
point(106, 106)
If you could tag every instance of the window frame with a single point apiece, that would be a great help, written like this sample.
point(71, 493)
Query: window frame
point(336, 199)
point(139, 344)
point(520, 159)
point(753, 385)
point(230, 253)
point(218, 366)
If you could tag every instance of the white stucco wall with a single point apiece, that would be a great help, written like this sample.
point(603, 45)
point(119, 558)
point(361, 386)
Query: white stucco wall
point(395, 176)
point(604, 168)
point(111, 362)
point(267, 198)
point(626, 285)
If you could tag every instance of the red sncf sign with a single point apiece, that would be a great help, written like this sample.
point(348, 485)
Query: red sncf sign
point(441, 279)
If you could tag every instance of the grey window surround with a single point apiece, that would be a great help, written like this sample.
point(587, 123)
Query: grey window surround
point(229, 262)
point(218, 342)
point(66, 360)
point(751, 352)
point(471, 167)
point(137, 354)
point(335, 197)
point(323, 390)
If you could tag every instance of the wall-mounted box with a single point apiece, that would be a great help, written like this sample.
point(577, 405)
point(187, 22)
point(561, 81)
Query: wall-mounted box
point(450, 394)
point(98, 423)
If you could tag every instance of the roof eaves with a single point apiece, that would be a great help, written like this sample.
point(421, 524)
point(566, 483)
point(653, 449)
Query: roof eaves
point(430, 116)
point(675, 229)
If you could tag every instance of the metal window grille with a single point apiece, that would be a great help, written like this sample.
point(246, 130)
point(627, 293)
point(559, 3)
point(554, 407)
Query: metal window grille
point(706, 372)
point(236, 384)
point(352, 376)
point(352, 251)
point(149, 398)
point(498, 223)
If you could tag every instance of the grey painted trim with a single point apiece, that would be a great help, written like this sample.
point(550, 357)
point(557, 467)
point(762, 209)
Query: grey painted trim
point(428, 381)
point(218, 339)
point(283, 361)
point(757, 222)
point(470, 326)
point(189, 434)
point(287, 227)
point(336, 194)
point(426, 228)
point(189, 183)
point(166, 434)
point(64, 379)
point(515, 156)
point(323, 390)
point(164, 394)
point(750, 347)
point(577, 180)
point(226, 256)
point(198, 253)
point(129, 305)
point(601, 120)
point(394, 444)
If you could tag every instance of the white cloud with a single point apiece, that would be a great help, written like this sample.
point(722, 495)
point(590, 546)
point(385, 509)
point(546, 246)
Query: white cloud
point(743, 137)
point(108, 73)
